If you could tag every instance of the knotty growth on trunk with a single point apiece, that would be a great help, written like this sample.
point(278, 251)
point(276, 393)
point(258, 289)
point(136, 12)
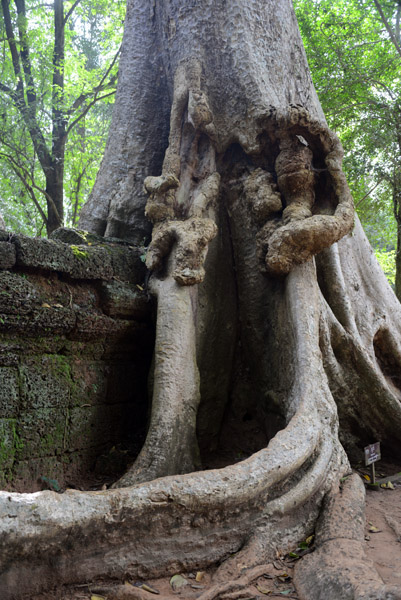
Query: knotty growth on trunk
point(271, 308)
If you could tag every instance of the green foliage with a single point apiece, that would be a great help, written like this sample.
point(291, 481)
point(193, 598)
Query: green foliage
point(78, 252)
point(387, 263)
point(76, 108)
point(10, 445)
point(356, 67)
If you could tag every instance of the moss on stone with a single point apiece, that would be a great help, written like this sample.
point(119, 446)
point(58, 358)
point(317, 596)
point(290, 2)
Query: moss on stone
point(78, 252)
point(10, 445)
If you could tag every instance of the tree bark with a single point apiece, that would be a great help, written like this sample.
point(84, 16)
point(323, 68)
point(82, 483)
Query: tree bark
point(271, 308)
point(397, 286)
point(396, 192)
point(55, 193)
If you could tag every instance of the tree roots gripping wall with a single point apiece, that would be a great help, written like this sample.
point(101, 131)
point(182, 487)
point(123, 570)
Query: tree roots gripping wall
point(269, 301)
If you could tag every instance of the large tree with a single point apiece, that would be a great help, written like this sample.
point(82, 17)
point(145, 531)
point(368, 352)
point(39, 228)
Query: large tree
point(271, 311)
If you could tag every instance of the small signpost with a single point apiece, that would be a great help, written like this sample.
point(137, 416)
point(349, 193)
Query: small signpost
point(372, 455)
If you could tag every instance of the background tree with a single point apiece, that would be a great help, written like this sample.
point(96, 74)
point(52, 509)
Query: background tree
point(353, 49)
point(272, 312)
point(59, 64)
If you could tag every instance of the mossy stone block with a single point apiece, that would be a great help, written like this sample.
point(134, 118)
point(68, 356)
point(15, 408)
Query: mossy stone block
point(28, 473)
point(44, 432)
point(9, 392)
point(9, 351)
point(43, 254)
point(79, 262)
point(98, 326)
point(127, 264)
point(41, 322)
point(124, 300)
point(45, 383)
point(99, 425)
point(10, 443)
point(17, 295)
point(71, 235)
point(90, 381)
point(8, 255)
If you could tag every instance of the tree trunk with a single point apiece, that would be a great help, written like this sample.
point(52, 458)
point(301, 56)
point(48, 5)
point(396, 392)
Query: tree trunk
point(55, 196)
point(273, 314)
point(396, 185)
point(397, 287)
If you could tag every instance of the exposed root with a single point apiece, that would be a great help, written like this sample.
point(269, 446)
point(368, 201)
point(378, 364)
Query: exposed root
point(262, 195)
point(227, 589)
point(295, 177)
point(160, 205)
point(182, 200)
point(338, 569)
point(192, 237)
point(298, 241)
point(176, 392)
point(395, 526)
point(304, 233)
point(181, 205)
point(126, 592)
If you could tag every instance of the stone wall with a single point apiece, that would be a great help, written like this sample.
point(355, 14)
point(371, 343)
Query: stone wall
point(75, 346)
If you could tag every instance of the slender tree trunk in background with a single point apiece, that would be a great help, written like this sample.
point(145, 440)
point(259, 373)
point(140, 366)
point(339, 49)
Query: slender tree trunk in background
point(55, 196)
point(24, 97)
point(397, 213)
point(55, 175)
point(396, 186)
point(272, 312)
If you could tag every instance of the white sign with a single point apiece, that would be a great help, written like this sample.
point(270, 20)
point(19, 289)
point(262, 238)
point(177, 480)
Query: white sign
point(372, 453)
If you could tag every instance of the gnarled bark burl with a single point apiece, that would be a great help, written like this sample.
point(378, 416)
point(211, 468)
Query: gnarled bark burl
point(270, 307)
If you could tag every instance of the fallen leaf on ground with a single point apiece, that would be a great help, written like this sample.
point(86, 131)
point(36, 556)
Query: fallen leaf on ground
point(374, 529)
point(199, 576)
point(263, 590)
point(177, 582)
point(95, 597)
point(147, 588)
point(387, 486)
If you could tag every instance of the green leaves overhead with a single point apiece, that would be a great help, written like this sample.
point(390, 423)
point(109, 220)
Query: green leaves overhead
point(353, 49)
point(57, 84)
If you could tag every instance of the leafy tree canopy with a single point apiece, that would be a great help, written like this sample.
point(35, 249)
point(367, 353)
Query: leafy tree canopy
point(353, 49)
point(47, 94)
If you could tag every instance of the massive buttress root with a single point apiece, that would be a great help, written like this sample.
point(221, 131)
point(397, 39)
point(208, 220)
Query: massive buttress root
point(181, 205)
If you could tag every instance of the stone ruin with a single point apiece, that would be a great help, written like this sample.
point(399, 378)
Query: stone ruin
point(76, 340)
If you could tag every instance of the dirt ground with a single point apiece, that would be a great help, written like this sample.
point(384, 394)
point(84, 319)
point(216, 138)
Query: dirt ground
point(383, 546)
